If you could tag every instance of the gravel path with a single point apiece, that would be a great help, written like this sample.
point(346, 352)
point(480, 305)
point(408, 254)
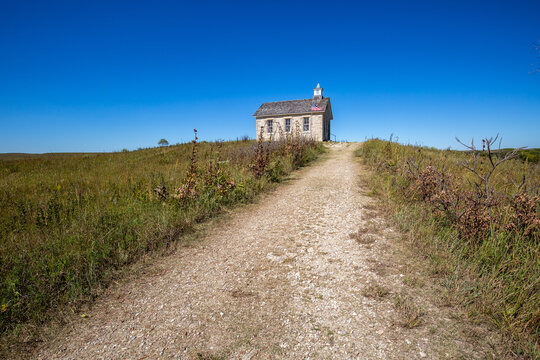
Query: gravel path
point(288, 277)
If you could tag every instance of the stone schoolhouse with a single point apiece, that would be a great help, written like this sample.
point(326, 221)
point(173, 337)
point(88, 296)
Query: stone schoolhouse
point(307, 117)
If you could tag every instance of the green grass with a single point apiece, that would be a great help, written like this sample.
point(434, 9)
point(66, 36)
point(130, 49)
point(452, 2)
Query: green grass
point(487, 258)
point(68, 223)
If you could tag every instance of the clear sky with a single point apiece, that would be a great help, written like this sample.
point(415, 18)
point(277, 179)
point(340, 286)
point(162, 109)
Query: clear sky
point(107, 75)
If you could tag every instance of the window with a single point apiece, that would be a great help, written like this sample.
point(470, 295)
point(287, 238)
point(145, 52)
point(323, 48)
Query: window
point(306, 124)
point(269, 126)
point(287, 125)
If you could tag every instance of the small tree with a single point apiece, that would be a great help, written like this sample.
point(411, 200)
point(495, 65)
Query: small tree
point(163, 142)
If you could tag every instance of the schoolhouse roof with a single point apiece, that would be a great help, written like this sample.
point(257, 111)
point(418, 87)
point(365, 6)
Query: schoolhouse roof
point(291, 107)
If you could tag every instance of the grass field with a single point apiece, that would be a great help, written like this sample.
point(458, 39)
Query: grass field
point(67, 223)
point(22, 156)
point(481, 238)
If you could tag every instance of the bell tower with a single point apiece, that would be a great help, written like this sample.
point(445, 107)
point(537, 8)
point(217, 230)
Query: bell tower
point(317, 93)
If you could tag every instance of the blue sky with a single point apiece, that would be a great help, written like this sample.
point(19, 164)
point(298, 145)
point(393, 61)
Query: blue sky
point(103, 76)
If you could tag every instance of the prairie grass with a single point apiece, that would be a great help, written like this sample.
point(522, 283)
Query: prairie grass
point(481, 239)
point(67, 224)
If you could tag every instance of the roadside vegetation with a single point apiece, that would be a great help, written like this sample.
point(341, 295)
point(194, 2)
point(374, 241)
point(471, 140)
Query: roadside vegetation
point(474, 216)
point(67, 224)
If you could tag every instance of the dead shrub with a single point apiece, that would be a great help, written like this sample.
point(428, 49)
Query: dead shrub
point(524, 218)
point(468, 211)
point(474, 221)
point(435, 187)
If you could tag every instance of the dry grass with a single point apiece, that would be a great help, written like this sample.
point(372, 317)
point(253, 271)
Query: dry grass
point(480, 238)
point(375, 291)
point(413, 281)
point(409, 315)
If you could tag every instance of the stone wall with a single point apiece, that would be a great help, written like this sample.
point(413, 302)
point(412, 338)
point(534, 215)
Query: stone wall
point(316, 126)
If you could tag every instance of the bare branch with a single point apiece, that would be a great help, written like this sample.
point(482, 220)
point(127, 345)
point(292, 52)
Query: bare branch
point(470, 147)
point(518, 187)
point(472, 169)
point(488, 143)
point(484, 177)
point(412, 164)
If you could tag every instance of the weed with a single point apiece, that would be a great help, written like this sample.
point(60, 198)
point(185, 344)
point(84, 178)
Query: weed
point(410, 316)
point(262, 157)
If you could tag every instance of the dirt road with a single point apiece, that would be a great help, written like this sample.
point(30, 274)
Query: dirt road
point(290, 277)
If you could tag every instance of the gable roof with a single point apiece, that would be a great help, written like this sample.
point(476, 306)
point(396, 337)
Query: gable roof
point(291, 107)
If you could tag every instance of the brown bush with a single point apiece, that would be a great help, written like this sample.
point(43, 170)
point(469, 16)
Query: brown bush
point(474, 221)
point(468, 211)
point(524, 218)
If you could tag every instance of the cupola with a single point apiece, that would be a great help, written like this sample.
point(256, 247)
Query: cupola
point(317, 93)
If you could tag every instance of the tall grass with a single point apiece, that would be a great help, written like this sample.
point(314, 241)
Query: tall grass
point(66, 224)
point(483, 244)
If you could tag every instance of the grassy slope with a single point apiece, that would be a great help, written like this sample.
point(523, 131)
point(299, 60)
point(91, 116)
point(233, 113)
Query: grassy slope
point(67, 223)
point(495, 274)
point(21, 156)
